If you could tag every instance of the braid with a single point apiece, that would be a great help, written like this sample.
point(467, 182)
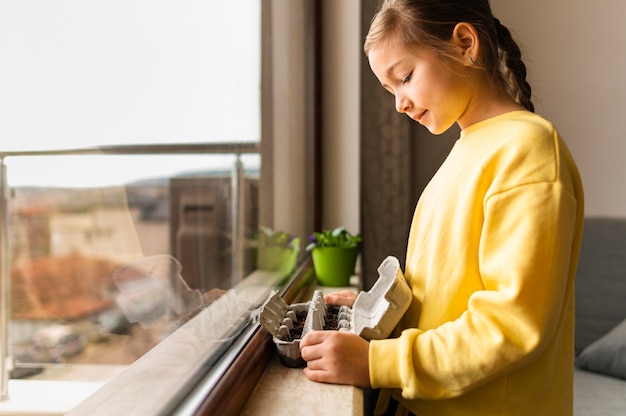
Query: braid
point(512, 68)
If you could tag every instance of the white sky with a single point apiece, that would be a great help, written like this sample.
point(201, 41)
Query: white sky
point(101, 170)
point(76, 73)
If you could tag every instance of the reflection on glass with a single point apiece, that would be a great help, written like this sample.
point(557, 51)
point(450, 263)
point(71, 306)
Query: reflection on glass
point(101, 275)
point(277, 251)
point(152, 290)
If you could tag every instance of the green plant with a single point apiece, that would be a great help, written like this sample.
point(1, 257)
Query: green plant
point(339, 237)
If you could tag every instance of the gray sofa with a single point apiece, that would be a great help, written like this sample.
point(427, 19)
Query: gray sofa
point(600, 371)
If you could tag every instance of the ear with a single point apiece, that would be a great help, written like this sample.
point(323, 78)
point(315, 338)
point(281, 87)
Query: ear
point(465, 38)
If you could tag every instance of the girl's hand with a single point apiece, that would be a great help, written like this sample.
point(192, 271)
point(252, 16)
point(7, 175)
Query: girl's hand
point(343, 298)
point(336, 357)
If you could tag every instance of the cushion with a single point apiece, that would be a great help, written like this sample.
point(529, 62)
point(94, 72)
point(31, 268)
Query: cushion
point(607, 355)
point(600, 279)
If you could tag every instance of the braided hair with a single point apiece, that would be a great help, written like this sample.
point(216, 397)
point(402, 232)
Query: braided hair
point(432, 22)
point(512, 68)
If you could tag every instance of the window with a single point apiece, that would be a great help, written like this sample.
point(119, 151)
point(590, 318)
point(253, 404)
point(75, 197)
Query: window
point(80, 74)
point(132, 150)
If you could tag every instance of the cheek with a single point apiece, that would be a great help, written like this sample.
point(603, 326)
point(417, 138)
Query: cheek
point(432, 88)
point(423, 95)
point(450, 95)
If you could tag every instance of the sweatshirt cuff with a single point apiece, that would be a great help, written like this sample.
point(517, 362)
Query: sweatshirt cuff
point(383, 363)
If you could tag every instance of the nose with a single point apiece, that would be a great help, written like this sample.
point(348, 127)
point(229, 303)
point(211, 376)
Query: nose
point(403, 104)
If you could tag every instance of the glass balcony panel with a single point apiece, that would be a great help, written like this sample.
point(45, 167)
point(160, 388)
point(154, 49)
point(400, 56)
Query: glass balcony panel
point(104, 271)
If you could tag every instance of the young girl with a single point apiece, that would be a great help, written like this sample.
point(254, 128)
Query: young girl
point(494, 242)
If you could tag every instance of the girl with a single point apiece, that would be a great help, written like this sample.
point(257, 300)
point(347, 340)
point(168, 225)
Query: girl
point(494, 242)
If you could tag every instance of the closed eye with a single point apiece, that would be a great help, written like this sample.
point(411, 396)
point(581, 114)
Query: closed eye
point(407, 78)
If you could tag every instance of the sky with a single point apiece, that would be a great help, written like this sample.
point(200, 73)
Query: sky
point(77, 73)
point(113, 170)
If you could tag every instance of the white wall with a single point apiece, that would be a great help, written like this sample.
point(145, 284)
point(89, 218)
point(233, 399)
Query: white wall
point(577, 67)
point(288, 118)
point(342, 53)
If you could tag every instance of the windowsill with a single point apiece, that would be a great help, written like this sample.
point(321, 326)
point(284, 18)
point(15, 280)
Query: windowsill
point(287, 391)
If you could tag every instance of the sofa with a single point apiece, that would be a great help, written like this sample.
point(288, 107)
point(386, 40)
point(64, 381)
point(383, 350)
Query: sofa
point(600, 339)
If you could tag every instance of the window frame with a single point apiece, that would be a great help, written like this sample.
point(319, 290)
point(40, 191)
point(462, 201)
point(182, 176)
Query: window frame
point(231, 392)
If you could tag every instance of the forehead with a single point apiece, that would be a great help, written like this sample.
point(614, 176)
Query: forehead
point(389, 57)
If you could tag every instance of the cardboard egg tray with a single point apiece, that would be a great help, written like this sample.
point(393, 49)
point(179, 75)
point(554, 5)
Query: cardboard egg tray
point(373, 316)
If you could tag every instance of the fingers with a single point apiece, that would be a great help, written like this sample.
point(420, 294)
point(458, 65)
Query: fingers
point(336, 357)
point(313, 338)
point(320, 376)
point(317, 348)
point(342, 298)
point(314, 350)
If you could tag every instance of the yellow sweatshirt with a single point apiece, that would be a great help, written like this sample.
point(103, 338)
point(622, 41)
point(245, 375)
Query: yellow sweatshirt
point(491, 260)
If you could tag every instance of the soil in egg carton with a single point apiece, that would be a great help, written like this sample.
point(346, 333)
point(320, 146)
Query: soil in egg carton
point(332, 321)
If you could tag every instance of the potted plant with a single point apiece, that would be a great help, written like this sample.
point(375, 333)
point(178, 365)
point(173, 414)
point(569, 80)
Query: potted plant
point(277, 250)
point(334, 254)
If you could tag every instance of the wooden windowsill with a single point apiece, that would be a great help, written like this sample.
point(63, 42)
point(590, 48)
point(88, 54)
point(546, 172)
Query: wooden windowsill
point(286, 391)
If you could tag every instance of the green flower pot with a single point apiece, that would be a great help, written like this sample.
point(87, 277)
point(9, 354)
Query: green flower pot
point(334, 265)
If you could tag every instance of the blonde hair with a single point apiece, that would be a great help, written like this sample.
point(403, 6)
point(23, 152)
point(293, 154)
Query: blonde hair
point(431, 23)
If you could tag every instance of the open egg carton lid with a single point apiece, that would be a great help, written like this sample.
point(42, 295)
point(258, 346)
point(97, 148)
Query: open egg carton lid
point(373, 316)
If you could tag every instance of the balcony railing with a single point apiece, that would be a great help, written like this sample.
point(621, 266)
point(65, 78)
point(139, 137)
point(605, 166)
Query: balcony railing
point(237, 235)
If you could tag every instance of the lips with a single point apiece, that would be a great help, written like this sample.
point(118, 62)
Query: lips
point(420, 116)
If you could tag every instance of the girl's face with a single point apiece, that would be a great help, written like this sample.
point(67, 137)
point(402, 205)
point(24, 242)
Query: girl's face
point(430, 91)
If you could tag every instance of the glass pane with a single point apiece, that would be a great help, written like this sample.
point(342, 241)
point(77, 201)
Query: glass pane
point(102, 274)
point(81, 73)
point(119, 257)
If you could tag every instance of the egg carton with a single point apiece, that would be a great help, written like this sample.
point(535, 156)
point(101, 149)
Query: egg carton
point(373, 315)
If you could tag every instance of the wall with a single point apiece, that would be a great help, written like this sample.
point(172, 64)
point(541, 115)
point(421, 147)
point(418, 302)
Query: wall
point(574, 51)
point(342, 48)
point(285, 121)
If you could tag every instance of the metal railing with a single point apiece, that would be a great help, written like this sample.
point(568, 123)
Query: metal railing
point(233, 148)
